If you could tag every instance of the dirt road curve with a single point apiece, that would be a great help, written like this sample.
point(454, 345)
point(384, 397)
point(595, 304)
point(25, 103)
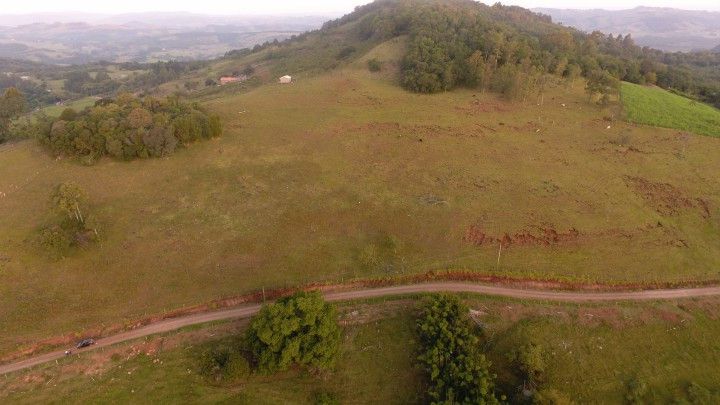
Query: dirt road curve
point(249, 310)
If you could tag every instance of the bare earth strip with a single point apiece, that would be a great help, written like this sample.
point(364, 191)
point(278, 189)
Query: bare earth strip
point(250, 310)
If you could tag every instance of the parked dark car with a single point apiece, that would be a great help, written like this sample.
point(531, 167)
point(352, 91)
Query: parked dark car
point(85, 343)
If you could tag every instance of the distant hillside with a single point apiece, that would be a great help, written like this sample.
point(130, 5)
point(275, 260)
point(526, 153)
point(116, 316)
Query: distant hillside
point(140, 37)
point(661, 28)
point(507, 49)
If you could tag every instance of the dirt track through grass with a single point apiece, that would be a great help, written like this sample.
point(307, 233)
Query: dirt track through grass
point(250, 310)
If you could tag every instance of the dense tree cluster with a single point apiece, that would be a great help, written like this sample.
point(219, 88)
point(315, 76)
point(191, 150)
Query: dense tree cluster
point(514, 51)
point(127, 128)
point(81, 82)
point(36, 94)
point(160, 72)
point(458, 371)
point(298, 330)
point(93, 80)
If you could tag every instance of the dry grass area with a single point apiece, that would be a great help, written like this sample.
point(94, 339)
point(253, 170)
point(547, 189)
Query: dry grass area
point(345, 176)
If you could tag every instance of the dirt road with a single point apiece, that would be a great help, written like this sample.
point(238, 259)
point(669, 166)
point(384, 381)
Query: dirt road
point(249, 310)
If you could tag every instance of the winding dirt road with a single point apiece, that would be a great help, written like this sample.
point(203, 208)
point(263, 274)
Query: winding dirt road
point(250, 310)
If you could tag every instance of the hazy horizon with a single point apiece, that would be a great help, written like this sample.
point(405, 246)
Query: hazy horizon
point(294, 8)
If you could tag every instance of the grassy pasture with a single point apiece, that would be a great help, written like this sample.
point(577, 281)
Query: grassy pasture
point(77, 105)
point(591, 352)
point(657, 107)
point(345, 175)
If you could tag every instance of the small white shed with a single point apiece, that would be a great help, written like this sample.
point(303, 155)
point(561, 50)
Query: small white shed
point(286, 79)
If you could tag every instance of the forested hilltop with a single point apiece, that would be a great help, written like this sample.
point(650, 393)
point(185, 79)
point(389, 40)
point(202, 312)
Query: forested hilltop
point(502, 48)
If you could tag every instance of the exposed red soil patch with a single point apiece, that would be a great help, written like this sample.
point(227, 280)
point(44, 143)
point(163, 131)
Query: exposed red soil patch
point(537, 237)
point(665, 198)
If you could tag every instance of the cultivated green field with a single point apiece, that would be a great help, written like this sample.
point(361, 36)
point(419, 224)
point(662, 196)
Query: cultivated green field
point(658, 107)
point(592, 353)
point(344, 176)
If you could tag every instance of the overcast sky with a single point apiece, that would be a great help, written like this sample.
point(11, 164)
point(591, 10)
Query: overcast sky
point(297, 6)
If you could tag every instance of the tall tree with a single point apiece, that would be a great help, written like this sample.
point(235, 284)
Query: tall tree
point(459, 373)
point(12, 104)
point(603, 83)
point(69, 199)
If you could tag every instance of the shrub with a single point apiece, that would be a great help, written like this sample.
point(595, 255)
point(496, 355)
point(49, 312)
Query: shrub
point(55, 241)
point(531, 360)
point(346, 52)
point(75, 225)
point(374, 65)
point(326, 398)
point(223, 363)
point(697, 394)
point(297, 330)
point(636, 391)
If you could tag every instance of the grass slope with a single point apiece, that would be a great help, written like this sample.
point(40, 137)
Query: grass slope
point(592, 352)
point(660, 108)
point(345, 175)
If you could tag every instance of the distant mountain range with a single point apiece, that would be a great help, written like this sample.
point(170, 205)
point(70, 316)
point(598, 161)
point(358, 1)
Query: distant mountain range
point(661, 28)
point(145, 37)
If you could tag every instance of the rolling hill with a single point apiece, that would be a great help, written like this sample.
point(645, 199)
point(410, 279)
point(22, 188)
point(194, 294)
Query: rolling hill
point(68, 39)
point(346, 175)
point(668, 29)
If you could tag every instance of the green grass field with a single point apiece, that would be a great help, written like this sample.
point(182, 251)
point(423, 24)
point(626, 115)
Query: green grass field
point(657, 107)
point(77, 105)
point(591, 352)
point(345, 176)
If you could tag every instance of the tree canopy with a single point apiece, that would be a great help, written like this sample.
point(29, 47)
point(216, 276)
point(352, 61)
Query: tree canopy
point(297, 330)
point(12, 104)
point(458, 372)
point(69, 199)
point(509, 49)
point(127, 128)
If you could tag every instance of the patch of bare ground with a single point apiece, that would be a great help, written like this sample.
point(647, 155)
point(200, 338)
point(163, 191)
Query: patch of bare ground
point(532, 236)
point(477, 106)
point(667, 199)
point(358, 314)
point(655, 234)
